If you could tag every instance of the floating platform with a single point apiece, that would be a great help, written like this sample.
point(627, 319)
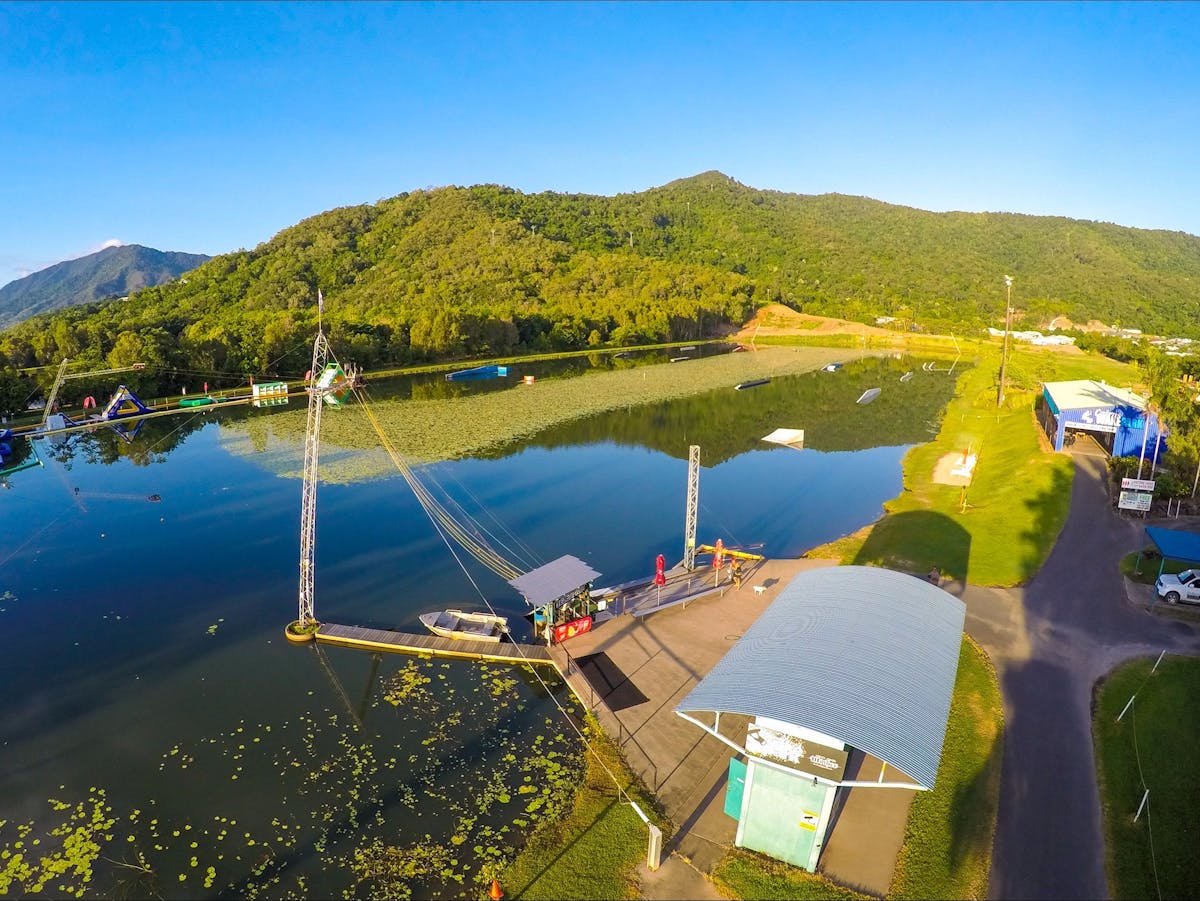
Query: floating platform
point(479, 372)
point(434, 645)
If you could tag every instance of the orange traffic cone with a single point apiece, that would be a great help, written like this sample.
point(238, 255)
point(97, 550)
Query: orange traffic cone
point(494, 892)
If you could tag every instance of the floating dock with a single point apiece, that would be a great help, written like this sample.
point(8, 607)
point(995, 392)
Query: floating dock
point(434, 645)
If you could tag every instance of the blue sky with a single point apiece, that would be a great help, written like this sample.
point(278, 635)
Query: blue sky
point(205, 127)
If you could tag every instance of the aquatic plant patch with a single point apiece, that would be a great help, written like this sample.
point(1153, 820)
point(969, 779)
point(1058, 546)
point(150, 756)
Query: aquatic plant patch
point(430, 430)
point(327, 804)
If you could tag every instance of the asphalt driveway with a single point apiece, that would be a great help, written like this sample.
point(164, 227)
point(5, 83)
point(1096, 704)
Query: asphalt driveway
point(1050, 641)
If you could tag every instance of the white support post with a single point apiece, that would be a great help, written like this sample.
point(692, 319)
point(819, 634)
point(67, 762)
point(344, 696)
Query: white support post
point(654, 848)
point(1125, 709)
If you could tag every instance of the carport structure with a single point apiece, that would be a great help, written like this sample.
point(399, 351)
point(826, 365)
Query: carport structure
point(847, 657)
point(1115, 417)
point(1173, 544)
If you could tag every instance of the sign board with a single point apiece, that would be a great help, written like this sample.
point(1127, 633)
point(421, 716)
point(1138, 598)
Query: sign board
point(805, 755)
point(1102, 420)
point(1135, 500)
point(564, 631)
point(1137, 484)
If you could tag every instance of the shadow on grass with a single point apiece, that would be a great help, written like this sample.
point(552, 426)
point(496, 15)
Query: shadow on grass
point(1049, 509)
point(563, 850)
point(970, 834)
point(915, 541)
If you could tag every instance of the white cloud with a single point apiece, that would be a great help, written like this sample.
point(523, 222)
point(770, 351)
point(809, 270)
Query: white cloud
point(111, 242)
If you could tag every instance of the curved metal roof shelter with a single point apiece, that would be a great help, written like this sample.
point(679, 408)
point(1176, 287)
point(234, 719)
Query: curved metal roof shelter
point(555, 579)
point(865, 655)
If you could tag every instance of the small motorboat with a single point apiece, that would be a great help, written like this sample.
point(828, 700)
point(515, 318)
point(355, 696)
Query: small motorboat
point(471, 626)
point(906, 377)
point(742, 386)
point(831, 367)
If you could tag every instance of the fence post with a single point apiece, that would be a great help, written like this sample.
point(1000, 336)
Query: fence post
point(654, 848)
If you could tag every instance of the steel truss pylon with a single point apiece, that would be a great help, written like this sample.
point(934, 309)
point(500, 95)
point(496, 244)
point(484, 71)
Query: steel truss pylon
point(308, 502)
point(693, 503)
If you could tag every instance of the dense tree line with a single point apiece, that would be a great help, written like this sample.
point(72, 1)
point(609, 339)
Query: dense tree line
point(465, 272)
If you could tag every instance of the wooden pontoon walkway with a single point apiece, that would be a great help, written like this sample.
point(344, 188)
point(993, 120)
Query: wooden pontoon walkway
point(435, 645)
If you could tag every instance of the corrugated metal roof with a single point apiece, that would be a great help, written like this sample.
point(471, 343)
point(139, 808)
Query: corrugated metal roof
point(550, 582)
point(865, 655)
point(1176, 544)
point(1085, 393)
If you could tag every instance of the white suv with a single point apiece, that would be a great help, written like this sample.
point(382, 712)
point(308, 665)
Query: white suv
point(1183, 587)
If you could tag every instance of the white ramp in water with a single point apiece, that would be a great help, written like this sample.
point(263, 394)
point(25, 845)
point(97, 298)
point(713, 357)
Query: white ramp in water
point(787, 437)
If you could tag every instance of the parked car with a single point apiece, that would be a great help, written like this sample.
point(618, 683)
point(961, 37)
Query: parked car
point(1182, 587)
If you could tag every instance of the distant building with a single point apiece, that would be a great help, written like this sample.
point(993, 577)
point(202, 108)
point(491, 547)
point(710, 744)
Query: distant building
point(1031, 337)
point(1115, 417)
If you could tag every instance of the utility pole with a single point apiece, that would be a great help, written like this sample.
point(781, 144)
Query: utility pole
point(1004, 352)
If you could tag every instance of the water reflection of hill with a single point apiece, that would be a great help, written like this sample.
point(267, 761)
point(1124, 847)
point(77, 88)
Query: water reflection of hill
point(726, 423)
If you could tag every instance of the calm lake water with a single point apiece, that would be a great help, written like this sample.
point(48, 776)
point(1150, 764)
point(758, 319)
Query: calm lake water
point(146, 675)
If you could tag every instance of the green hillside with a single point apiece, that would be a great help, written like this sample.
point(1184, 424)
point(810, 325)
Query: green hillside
point(462, 272)
point(111, 272)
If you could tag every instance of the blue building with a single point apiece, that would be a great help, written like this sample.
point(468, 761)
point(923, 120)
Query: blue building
point(1114, 417)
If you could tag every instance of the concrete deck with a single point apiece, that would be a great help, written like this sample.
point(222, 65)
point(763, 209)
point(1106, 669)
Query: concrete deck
point(631, 672)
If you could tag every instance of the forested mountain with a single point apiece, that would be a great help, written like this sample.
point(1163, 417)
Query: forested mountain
point(458, 272)
point(111, 272)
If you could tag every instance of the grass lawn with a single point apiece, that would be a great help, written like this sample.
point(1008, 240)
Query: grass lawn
point(1149, 567)
point(1162, 729)
point(1001, 528)
point(947, 849)
point(594, 851)
point(747, 874)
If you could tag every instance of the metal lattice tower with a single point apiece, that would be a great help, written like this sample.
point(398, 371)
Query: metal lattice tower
point(308, 502)
point(693, 503)
point(62, 374)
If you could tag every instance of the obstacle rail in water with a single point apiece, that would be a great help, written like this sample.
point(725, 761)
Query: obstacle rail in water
point(434, 645)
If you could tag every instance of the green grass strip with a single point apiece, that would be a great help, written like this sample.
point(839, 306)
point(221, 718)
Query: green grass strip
point(947, 849)
point(747, 874)
point(1162, 730)
point(594, 850)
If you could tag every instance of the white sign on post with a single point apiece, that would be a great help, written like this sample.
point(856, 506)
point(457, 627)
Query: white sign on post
point(1137, 484)
point(1135, 500)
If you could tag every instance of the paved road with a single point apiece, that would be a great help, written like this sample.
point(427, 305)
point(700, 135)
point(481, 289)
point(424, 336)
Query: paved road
point(1051, 640)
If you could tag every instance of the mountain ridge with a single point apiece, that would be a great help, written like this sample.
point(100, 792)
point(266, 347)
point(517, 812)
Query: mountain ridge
point(462, 272)
point(110, 272)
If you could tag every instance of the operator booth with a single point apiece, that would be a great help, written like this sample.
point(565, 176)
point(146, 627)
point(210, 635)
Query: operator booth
point(1115, 417)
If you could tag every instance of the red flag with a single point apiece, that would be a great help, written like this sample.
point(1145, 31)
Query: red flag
point(660, 576)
